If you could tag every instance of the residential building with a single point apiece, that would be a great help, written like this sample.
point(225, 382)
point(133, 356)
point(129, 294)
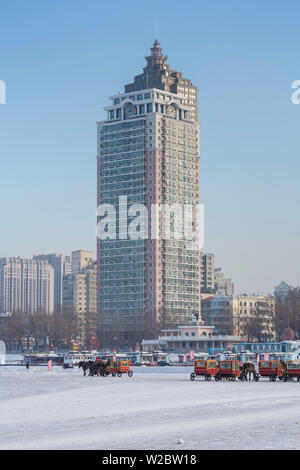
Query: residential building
point(281, 292)
point(222, 286)
point(80, 299)
point(61, 266)
point(148, 153)
point(242, 315)
point(80, 260)
point(207, 273)
point(26, 285)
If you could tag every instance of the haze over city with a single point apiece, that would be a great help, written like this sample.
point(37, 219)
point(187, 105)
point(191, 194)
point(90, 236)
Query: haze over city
point(64, 63)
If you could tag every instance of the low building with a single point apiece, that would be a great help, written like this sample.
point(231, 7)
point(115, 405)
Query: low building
point(291, 348)
point(242, 315)
point(193, 336)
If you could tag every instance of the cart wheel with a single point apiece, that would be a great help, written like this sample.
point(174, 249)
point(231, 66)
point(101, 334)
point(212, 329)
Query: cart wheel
point(256, 377)
point(233, 378)
point(209, 378)
point(192, 377)
point(119, 374)
point(130, 373)
point(113, 374)
point(216, 377)
point(298, 379)
point(205, 377)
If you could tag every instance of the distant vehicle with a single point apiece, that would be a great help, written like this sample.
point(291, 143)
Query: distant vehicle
point(72, 359)
point(118, 368)
point(272, 369)
point(163, 363)
point(41, 359)
point(292, 370)
point(228, 369)
point(204, 367)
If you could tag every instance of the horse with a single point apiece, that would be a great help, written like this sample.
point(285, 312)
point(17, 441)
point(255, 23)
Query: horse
point(97, 368)
point(246, 370)
point(85, 365)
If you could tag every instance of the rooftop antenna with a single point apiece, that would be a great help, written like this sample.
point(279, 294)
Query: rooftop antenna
point(156, 29)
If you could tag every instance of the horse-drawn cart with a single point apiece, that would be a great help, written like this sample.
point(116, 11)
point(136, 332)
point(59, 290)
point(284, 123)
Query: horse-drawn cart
point(206, 368)
point(271, 369)
point(291, 371)
point(118, 368)
point(229, 369)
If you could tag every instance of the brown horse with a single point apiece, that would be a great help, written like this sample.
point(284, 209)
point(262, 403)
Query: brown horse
point(85, 365)
point(246, 370)
point(97, 368)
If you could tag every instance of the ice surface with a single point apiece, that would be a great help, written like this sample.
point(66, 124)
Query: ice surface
point(155, 409)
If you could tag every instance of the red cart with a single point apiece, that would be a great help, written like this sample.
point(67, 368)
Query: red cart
point(229, 369)
point(206, 368)
point(119, 368)
point(291, 371)
point(271, 369)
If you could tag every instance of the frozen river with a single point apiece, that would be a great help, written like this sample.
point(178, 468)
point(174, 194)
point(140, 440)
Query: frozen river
point(152, 410)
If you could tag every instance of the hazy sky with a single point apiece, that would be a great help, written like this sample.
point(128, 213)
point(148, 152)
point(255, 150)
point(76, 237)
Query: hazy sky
point(62, 59)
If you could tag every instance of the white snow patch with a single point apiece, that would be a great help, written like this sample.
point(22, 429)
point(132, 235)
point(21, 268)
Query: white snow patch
point(64, 410)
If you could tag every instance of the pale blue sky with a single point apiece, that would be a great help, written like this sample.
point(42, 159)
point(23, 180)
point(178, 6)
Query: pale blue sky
point(61, 59)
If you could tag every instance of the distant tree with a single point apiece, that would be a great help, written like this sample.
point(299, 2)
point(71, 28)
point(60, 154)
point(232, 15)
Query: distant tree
point(254, 328)
point(288, 313)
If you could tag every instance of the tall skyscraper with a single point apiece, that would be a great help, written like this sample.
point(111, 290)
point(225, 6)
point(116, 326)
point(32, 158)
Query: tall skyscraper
point(148, 153)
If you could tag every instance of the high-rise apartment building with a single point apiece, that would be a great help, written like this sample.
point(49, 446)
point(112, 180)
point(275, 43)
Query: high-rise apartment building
point(223, 286)
point(61, 266)
point(80, 260)
point(148, 153)
point(80, 299)
point(207, 273)
point(26, 285)
point(213, 280)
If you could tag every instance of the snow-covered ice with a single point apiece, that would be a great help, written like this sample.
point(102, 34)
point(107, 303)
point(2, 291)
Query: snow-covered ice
point(155, 409)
